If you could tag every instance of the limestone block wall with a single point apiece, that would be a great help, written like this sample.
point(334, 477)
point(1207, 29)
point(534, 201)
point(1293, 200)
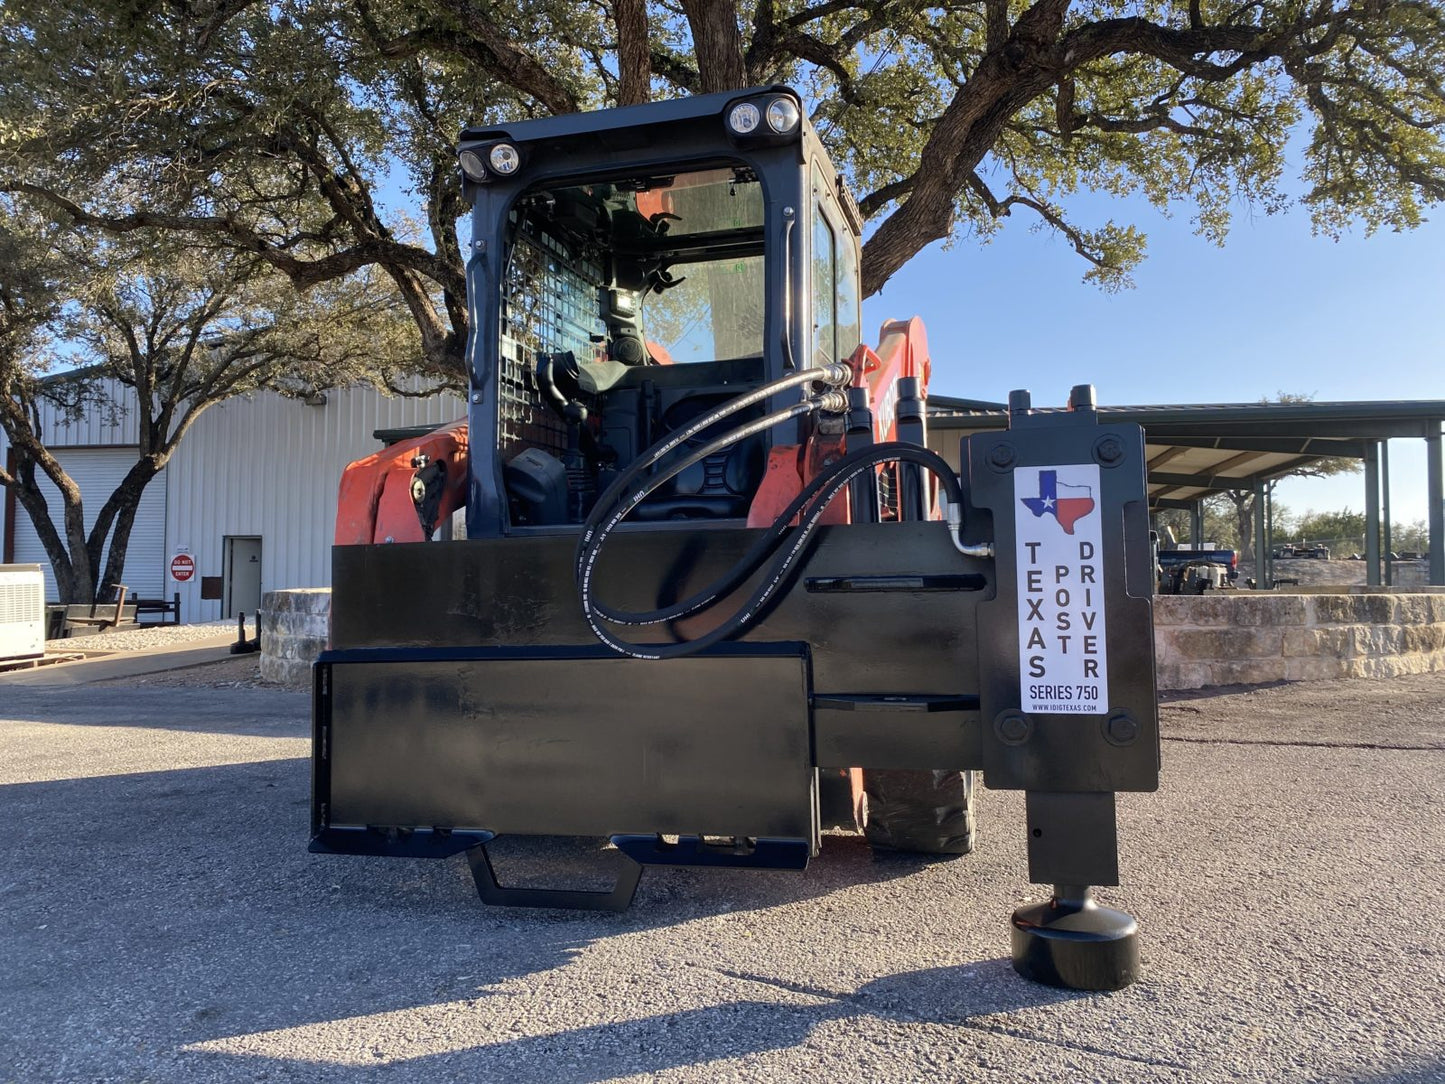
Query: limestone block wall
point(1223, 638)
point(1244, 638)
point(295, 625)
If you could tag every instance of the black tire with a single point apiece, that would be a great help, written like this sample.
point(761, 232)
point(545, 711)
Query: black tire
point(925, 812)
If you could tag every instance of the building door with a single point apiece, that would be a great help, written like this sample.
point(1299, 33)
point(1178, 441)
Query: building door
point(243, 575)
point(97, 471)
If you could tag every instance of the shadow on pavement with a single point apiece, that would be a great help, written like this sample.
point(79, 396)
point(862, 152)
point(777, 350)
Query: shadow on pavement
point(160, 911)
point(246, 712)
point(955, 997)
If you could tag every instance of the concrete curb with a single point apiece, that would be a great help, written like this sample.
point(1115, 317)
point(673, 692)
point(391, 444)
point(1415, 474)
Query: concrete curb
point(124, 664)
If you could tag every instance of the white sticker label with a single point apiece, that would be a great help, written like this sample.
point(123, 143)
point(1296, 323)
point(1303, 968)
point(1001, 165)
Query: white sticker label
point(1063, 660)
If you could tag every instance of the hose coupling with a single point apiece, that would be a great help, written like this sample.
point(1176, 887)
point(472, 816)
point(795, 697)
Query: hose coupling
point(836, 375)
point(833, 402)
point(953, 515)
point(982, 550)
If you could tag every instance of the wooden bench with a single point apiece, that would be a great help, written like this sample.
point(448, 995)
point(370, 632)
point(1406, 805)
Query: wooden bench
point(102, 615)
point(170, 611)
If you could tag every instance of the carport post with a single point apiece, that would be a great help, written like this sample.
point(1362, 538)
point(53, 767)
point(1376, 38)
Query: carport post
point(1436, 487)
point(1196, 524)
point(1262, 578)
point(1389, 543)
point(1372, 514)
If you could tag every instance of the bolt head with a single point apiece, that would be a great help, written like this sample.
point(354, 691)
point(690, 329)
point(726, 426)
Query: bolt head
point(1109, 450)
point(1013, 727)
point(1002, 455)
point(1121, 729)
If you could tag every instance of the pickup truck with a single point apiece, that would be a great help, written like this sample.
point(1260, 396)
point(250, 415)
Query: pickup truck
point(1192, 572)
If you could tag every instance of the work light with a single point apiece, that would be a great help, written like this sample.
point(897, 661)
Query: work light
point(744, 118)
point(504, 159)
point(472, 166)
point(782, 115)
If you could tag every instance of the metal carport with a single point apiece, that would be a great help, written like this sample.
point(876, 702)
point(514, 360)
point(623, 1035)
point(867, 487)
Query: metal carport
point(1197, 450)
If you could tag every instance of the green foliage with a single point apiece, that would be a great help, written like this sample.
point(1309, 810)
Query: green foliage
point(272, 128)
point(179, 324)
point(1329, 527)
point(1413, 537)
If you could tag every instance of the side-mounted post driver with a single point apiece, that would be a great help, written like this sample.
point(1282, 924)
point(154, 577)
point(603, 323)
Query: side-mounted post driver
point(715, 592)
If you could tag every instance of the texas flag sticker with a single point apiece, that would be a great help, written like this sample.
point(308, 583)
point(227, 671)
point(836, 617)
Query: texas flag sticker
point(1059, 545)
point(1066, 503)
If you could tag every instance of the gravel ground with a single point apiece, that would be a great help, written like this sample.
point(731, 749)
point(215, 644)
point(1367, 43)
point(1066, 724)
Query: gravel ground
point(160, 920)
point(141, 638)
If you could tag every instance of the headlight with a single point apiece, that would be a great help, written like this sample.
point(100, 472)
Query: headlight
point(504, 159)
point(744, 118)
point(782, 115)
point(472, 166)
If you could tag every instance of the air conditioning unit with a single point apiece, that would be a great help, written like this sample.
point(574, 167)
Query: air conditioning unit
point(22, 612)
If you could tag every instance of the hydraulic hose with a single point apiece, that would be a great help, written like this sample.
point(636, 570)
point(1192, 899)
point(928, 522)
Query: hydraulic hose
point(811, 504)
point(729, 581)
point(593, 539)
point(832, 375)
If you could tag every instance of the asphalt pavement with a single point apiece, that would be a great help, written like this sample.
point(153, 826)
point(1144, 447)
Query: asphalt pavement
point(161, 920)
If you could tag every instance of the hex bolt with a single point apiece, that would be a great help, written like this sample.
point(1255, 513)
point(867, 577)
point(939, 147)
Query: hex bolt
point(476, 397)
point(1121, 728)
point(1002, 455)
point(1013, 727)
point(1109, 450)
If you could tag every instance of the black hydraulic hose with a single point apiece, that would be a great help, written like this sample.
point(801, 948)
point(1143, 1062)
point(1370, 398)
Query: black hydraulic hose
point(729, 581)
point(592, 541)
point(824, 488)
point(749, 563)
point(834, 375)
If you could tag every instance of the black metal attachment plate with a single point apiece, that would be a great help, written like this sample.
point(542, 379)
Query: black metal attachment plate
point(1080, 751)
point(565, 741)
point(901, 731)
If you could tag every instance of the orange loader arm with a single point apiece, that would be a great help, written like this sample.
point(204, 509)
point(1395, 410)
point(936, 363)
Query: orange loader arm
point(402, 492)
point(902, 352)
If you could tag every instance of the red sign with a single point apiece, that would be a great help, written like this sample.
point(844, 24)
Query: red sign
point(183, 567)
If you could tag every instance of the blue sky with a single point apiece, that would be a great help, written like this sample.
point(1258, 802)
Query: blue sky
point(1275, 310)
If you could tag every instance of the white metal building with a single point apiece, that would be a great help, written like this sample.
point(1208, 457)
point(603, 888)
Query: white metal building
point(250, 494)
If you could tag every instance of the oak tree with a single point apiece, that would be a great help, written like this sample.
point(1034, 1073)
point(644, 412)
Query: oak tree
point(316, 135)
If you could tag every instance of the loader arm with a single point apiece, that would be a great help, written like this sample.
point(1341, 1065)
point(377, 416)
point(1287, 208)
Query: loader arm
point(404, 491)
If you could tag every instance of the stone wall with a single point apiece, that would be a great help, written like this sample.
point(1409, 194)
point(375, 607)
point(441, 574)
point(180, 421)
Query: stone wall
point(295, 626)
point(1223, 638)
point(1245, 638)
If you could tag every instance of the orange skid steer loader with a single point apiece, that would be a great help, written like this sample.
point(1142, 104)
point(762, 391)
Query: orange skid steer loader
point(714, 591)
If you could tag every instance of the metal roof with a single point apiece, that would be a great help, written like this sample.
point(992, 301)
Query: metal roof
point(1198, 449)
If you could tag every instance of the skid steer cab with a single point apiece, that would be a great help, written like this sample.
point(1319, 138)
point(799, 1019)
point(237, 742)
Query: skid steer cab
point(715, 593)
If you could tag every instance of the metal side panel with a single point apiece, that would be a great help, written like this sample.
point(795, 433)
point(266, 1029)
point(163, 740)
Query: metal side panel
point(565, 741)
point(1073, 599)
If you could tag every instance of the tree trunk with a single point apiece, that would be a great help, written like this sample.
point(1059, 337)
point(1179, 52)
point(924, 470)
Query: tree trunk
point(123, 505)
point(1244, 522)
point(29, 497)
point(717, 43)
point(634, 55)
point(75, 556)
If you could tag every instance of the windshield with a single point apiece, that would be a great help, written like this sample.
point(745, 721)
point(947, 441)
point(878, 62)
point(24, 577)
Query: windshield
point(713, 310)
point(631, 273)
